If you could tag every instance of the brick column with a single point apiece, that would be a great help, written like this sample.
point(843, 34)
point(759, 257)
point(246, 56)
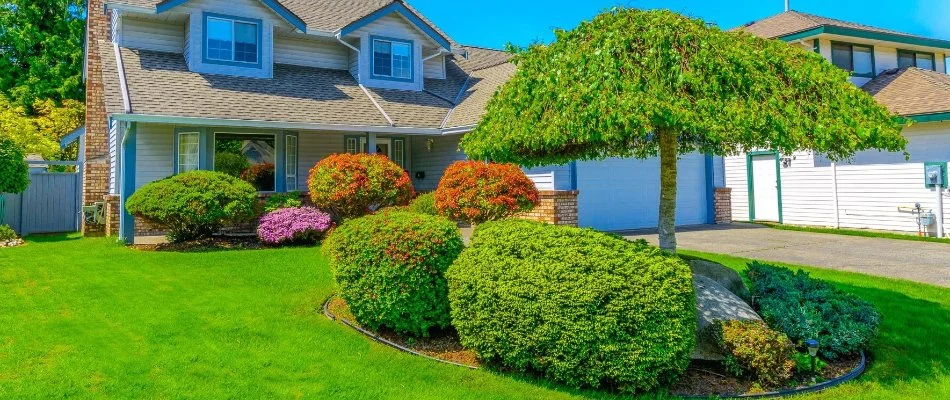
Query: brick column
point(95, 183)
point(112, 214)
point(558, 207)
point(722, 202)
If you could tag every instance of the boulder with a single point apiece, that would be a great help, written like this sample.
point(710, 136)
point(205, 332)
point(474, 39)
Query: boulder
point(715, 303)
point(724, 276)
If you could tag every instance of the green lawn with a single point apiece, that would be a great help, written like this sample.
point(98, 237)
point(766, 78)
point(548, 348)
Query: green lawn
point(856, 232)
point(86, 318)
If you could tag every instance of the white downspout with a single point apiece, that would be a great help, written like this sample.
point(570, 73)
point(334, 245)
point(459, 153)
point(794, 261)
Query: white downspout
point(358, 73)
point(834, 193)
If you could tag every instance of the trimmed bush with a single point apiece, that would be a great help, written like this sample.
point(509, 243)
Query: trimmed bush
point(15, 172)
point(579, 306)
point(806, 308)
point(277, 201)
point(476, 192)
point(352, 185)
point(194, 204)
point(752, 347)
point(424, 204)
point(390, 269)
point(294, 225)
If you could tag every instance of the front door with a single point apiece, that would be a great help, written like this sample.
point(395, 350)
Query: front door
point(765, 187)
point(394, 149)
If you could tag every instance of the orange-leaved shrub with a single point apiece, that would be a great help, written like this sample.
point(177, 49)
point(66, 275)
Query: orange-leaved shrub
point(753, 347)
point(352, 185)
point(476, 191)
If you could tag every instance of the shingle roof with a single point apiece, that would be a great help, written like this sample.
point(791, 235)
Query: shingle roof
point(161, 84)
point(911, 91)
point(790, 22)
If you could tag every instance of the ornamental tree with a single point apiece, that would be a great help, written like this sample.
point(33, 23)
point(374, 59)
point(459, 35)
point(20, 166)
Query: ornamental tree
point(353, 185)
point(14, 172)
point(633, 83)
point(477, 191)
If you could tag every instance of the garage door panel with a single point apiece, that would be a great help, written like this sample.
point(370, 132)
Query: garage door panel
point(617, 194)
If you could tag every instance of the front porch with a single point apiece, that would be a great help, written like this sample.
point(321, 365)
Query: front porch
point(274, 161)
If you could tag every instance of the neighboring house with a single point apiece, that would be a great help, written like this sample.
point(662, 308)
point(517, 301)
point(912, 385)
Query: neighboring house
point(906, 74)
point(172, 83)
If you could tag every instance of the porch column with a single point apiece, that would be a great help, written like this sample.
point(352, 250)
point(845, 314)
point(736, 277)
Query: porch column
point(371, 143)
point(127, 184)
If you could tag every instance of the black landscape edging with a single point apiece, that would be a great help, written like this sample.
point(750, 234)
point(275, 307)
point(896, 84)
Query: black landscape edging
point(380, 339)
point(857, 371)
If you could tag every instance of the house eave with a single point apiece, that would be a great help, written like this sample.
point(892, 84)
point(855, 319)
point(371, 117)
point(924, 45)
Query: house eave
point(261, 124)
point(931, 117)
point(865, 34)
point(401, 9)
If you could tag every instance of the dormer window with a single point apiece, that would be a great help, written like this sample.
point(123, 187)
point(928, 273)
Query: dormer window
point(392, 59)
point(917, 59)
point(232, 40)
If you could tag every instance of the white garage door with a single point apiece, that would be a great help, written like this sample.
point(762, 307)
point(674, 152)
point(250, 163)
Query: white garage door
point(618, 194)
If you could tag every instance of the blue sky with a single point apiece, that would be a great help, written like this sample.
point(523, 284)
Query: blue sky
point(492, 23)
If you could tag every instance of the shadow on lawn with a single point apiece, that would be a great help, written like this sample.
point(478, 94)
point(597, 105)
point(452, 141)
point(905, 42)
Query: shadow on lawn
point(53, 237)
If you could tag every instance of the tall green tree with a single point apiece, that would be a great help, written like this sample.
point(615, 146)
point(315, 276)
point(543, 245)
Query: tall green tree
point(633, 83)
point(41, 50)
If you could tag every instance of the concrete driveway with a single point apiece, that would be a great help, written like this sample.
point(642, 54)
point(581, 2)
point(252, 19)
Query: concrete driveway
point(917, 261)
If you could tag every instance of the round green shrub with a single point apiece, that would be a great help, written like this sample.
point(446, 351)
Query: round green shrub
point(15, 172)
point(424, 204)
point(7, 233)
point(579, 306)
point(195, 204)
point(390, 269)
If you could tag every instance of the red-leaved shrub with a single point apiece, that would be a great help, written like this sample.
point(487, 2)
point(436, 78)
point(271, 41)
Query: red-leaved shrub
point(476, 192)
point(352, 185)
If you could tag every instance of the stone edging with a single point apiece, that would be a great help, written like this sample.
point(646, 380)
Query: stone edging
point(12, 243)
point(856, 372)
point(380, 339)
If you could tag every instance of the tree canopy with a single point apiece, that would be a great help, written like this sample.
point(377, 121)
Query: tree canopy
point(604, 89)
point(633, 83)
point(41, 50)
point(14, 173)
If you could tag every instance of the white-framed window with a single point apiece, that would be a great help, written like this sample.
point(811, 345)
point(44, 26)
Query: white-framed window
point(352, 145)
point(907, 58)
point(392, 59)
point(189, 150)
point(290, 147)
point(232, 40)
point(855, 58)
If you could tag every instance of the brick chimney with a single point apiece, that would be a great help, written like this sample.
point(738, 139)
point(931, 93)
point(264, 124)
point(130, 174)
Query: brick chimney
point(95, 176)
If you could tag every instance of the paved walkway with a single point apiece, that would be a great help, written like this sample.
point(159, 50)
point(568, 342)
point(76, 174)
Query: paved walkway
point(917, 261)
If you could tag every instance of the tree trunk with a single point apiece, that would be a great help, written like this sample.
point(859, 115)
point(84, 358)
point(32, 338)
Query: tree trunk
point(667, 223)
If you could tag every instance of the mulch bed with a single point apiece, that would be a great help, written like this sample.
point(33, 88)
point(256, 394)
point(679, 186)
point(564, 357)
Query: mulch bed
point(215, 243)
point(702, 378)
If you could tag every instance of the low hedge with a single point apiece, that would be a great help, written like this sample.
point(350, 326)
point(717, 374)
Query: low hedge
point(390, 269)
point(579, 306)
point(195, 204)
point(806, 308)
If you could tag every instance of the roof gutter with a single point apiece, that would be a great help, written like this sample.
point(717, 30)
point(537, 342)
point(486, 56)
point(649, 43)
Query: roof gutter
point(240, 123)
point(123, 85)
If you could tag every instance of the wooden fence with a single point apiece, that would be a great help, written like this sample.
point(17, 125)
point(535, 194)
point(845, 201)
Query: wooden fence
point(51, 204)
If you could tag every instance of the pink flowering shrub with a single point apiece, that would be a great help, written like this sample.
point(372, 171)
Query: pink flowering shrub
point(294, 225)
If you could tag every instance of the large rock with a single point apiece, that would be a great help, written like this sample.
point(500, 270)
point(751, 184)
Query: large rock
point(715, 303)
point(724, 276)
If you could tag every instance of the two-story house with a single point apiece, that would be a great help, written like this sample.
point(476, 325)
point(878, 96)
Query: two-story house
point(905, 73)
point(270, 87)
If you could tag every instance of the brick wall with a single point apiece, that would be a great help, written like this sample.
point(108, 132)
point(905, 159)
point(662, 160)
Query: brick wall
point(96, 171)
point(722, 202)
point(111, 210)
point(557, 207)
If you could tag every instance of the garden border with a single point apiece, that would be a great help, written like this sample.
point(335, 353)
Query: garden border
point(856, 372)
point(380, 339)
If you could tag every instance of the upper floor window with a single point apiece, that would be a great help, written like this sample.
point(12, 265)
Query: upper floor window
point(907, 58)
point(858, 59)
point(392, 59)
point(232, 40)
